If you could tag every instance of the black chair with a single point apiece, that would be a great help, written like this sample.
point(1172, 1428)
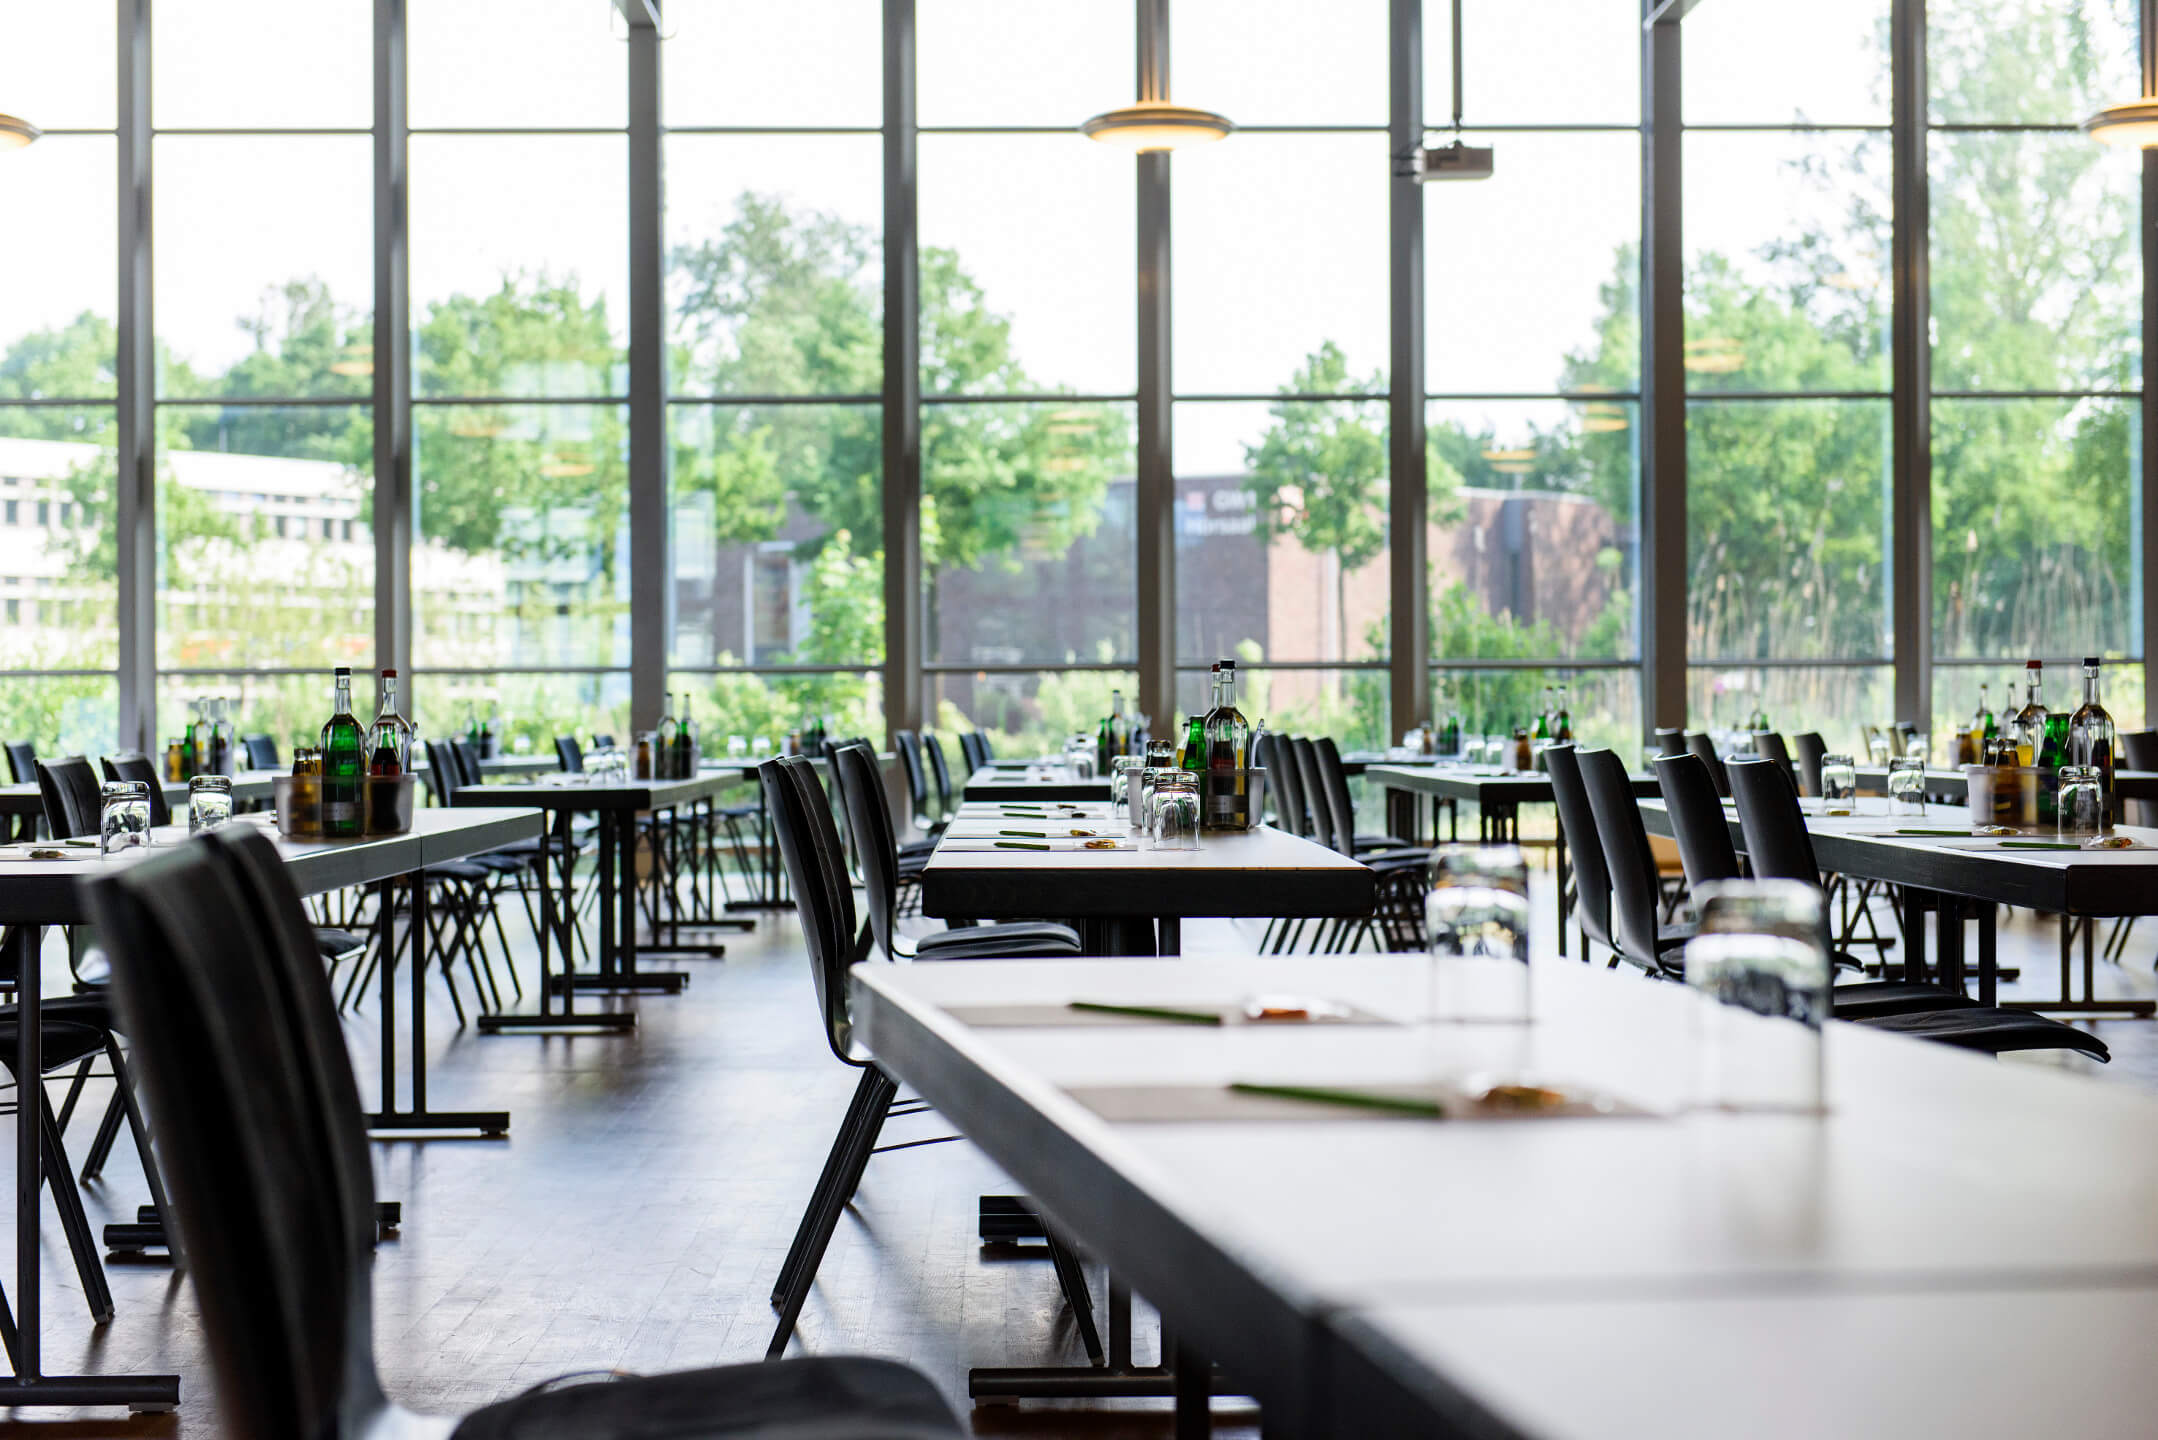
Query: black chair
point(1591, 876)
point(261, 752)
point(2139, 748)
point(970, 751)
point(981, 742)
point(1811, 749)
point(22, 761)
point(134, 765)
point(869, 818)
point(1906, 736)
point(1769, 746)
point(940, 777)
point(1779, 847)
point(570, 753)
point(261, 1127)
point(909, 746)
point(1334, 779)
point(1636, 893)
point(1670, 742)
point(1699, 744)
point(71, 794)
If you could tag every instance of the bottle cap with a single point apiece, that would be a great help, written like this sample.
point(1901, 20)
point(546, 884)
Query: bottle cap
point(2090, 662)
point(390, 674)
point(2034, 664)
point(345, 671)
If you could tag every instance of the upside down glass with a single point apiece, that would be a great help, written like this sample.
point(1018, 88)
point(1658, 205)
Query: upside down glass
point(1172, 809)
point(1759, 966)
point(209, 802)
point(1839, 785)
point(123, 815)
point(1476, 927)
point(1123, 771)
point(1906, 786)
point(2081, 805)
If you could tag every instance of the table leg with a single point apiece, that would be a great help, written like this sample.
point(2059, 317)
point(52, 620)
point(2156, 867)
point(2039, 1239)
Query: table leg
point(1989, 970)
point(1915, 904)
point(1558, 848)
point(1950, 942)
point(1194, 1395)
point(389, 1119)
point(603, 1021)
point(618, 916)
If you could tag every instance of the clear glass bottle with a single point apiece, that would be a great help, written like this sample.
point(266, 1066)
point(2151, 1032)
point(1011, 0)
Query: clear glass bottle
point(1119, 726)
point(669, 732)
point(1983, 725)
point(1562, 729)
point(389, 742)
point(2091, 738)
point(1228, 742)
point(344, 764)
point(2028, 726)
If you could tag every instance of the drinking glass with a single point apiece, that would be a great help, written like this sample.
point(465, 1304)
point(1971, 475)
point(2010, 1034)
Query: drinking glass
point(123, 815)
point(2081, 805)
point(761, 746)
point(1476, 927)
point(1878, 747)
point(1079, 755)
point(209, 802)
point(1173, 810)
point(1906, 786)
point(1123, 771)
point(1759, 965)
point(737, 747)
point(1839, 785)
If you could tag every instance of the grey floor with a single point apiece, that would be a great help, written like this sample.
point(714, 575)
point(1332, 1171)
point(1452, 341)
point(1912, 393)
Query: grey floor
point(639, 1209)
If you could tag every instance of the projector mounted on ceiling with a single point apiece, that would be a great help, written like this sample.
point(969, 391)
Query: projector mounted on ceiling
point(1455, 162)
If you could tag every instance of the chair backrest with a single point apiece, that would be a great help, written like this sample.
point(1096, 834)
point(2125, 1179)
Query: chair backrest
point(444, 772)
point(909, 747)
point(938, 773)
point(467, 756)
point(1699, 744)
point(970, 750)
point(22, 761)
point(260, 1137)
point(602, 742)
point(1335, 778)
point(69, 788)
point(1777, 845)
point(1811, 747)
point(1697, 820)
point(1321, 813)
point(1769, 746)
point(134, 765)
point(981, 742)
point(569, 752)
point(869, 820)
point(1635, 896)
point(1592, 877)
point(2139, 748)
point(261, 752)
point(1287, 779)
point(1670, 742)
point(808, 845)
point(1906, 733)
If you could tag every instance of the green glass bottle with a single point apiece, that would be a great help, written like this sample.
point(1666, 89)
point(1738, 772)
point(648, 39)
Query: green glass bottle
point(685, 744)
point(1193, 755)
point(344, 765)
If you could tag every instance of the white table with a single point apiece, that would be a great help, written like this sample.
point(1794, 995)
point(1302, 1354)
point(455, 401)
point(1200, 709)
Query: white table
point(1935, 1168)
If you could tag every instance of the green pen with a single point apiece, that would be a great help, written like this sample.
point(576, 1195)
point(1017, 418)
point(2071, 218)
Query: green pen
point(1150, 1012)
point(1356, 1099)
point(1947, 834)
point(2040, 845)
point(1036, 834)
point(1018, 845)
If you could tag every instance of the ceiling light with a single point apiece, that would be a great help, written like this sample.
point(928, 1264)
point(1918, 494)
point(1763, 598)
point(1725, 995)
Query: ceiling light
point(14, 133)
point(1157, 125)
point(2132, 124)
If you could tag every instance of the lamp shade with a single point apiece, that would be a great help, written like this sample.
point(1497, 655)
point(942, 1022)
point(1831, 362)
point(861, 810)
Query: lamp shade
point(1156, 125)
point(14, 133)
point(2131, 124)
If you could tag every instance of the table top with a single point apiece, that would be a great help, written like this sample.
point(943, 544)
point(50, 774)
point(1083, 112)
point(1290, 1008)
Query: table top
point(48, 891)
point(1262, 871)
point(1482, 784)
point(1949, 780)
point(1046, 782)
point(629, 795)
point(1932, 1168)
point(2076, 882)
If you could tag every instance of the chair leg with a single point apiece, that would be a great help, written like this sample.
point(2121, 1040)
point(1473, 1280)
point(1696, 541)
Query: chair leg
point(74, 1091)
point(1072, 1280)
point(124, 1084)
point(108, 1130)
point(877, 1088)
point(68, 1201)
point(857, 1115)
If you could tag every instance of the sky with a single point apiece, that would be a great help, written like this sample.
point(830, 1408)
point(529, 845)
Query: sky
point(1280, 238)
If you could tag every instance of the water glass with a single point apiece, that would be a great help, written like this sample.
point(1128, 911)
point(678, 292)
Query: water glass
point(1476, 927)
point(1906, 786)
point(1123, 773)
point(1878, 747)
point(1760, 968)
point(1839, 785)
point(1079, 754)
point(209, 802)
point(2081, 805)
point(1173, 810)
point(123, 815)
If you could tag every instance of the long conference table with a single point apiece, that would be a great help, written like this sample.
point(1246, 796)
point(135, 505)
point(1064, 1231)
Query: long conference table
point(35, 894)
point(1959, 1246)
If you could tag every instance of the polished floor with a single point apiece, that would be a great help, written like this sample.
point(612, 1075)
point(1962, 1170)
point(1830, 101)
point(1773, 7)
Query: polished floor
point(638, 1211)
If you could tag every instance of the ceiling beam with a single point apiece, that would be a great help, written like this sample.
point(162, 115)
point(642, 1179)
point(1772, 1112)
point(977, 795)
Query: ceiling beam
point(1670, 12)
point(641, 14)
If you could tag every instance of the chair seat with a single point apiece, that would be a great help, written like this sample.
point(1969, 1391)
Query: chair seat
point(917, 847)
point(64, 1042)
point(1993, 1031)
point(1023, 940)
point(810, 1399)
point(466, 870)
point(1875, 999)
point(740, 812)
point(335, 944)
point(912, 866)
point(1380, 842)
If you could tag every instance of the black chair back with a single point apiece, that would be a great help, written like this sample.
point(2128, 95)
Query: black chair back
point(1670, 742)
point(261, 752)
point(1636, 898)
point(909, 746)
point(869, 820)
point(1699, 744)
point(1322, 814)
point(1811, 748)
point(1769, 746)
point(940, 774)
point(568, 751)
point(1592, 877)
point(444, 773)
point(1335, 778)
point(602, 742)
point(22, 761)
point(1697, 820)
point(970, 751)
point(1906, 735)
point(1287, 778)
point(809, 847)
point(134, 765)
point(2139, 751)
point(467, 756)
point(260, 1138)
point(981, 742)
point(1777, 845)
point(69, 789)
